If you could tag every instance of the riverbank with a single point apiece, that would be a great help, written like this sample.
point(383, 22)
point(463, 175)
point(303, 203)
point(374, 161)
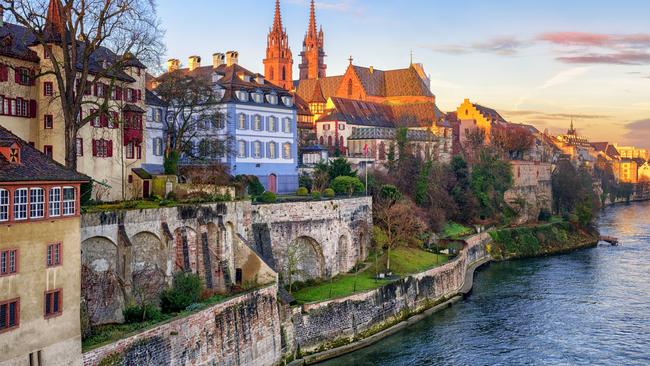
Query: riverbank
point(499, 245)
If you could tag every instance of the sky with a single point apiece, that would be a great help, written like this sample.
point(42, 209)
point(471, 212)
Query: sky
point(538, 62)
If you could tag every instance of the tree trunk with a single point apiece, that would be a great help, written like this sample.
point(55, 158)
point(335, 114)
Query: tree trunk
point(70, 141)
point(388, 259)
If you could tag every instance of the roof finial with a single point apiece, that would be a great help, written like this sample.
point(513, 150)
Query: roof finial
point(312, 18)
point(350, 59)
point(277, 20)
point(411, 57)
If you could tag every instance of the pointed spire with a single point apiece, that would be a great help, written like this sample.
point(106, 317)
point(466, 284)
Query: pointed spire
point(277, 20)
point(55, 20)
point(312, 19)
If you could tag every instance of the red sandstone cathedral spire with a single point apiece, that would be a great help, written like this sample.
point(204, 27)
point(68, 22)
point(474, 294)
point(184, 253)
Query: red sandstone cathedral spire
point(55, 21)
point(313, 53)
point(278, 63)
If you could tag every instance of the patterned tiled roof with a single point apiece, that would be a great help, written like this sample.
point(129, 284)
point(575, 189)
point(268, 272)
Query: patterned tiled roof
point(328, 86)
point(358, 112)
point(387, 133)
point(489, 113)
point(34, 165)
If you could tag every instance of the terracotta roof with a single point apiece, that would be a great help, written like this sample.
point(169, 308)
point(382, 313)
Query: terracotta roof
point(328, 86)
point(34, 165)
point(404, 82)
point(416, 114)
point(358, 112)
point(317, 96)
point(600, 146)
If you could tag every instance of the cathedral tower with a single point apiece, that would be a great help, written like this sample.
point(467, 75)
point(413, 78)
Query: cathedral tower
point(278, 63)
point(313, 53)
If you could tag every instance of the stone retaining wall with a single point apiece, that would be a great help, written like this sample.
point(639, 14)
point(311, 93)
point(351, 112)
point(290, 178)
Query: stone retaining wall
point(241, 331)
point(329, 324)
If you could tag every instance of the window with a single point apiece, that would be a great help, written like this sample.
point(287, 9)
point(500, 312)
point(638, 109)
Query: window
point(23, 76)
point(9, 314)
point(48, 122)
point(286, 125)
point(53, 305)
point(20, 204)
point(241, 121)
point(349, 87)
point(55, 201)
point(4, 205)
point(69, 203)
point(286, 151)
point(157, 146)
point(341, 126)
point(326, 127)
point(36, 203)
point(273, 153)
point(48, 150)
point(8, 262)
point(48, 89)
point(80, 146)
point(241, 149)
point(54, 255)
point(129, 150)
point(257, 149)
point(257, 122)
point(102, 148)
point(329, 140)
point(273, 124)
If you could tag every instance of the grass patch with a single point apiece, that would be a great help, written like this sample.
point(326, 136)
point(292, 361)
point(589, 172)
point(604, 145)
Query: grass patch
point(453, 230)
point(404, 261)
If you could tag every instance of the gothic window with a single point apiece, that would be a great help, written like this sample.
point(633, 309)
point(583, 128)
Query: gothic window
point(350, 88)
point(284, 73)
point(271, 73)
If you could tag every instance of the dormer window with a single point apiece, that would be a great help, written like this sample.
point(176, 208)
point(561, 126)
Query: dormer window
point(11, 153)
point(272, 98)
point(258, 97)
point(288, 101)
point(217, 76)
point(242, 95)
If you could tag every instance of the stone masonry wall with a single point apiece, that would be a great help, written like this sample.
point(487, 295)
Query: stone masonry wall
point(241, 331)
point(326, 324)
point(531, 191)
point(323, 238)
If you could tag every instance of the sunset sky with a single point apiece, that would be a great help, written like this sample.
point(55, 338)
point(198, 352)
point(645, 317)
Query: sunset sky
point(536, 62)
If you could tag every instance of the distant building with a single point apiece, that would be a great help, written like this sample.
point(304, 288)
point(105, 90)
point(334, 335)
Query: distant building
point(259, 128)
point(313, 50)
point(632, 152)
point(155, 133)
point(278, 63)
point(644, 172)
point(40, 253)
point(108, 147)
point(626, 170)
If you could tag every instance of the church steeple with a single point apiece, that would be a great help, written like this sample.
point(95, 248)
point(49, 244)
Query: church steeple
point(55, 21)
point(278, 63)
point(313, 53)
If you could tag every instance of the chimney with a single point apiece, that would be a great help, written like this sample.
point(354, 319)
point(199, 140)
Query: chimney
point(217, 59)
point(232, 58)
point(372, 70)
point(194, 62)
point(259, 78)
point(173, 64)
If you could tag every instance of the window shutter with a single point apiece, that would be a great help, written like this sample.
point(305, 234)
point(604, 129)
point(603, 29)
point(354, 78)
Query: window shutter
point(17, 75)
point(94, 147)
point(95, 89)
point(3, 72)
point(103, 120)
point(32, 77)
point(109, 148)
point(32, 108)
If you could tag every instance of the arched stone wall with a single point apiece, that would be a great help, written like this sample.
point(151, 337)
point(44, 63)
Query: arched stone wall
point(304, 260)
point(148, 269)
point(185, 250)
point(103, 295)
point(343, 254)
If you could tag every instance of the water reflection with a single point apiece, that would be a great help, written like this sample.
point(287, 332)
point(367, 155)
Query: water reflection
point(590, 307)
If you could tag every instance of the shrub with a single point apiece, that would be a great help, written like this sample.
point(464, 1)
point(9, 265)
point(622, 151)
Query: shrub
point(171, 196)
point(185, 290)
point(305, 180)
point(315, 195)
point(86, 190)
point(255, 188)
point(329, 193)
point(544, 215)
point(267, 197)
point(302, 191)
point(137, 314)
point(347, 185)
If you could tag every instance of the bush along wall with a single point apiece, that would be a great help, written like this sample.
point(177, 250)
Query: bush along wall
point(533, 241)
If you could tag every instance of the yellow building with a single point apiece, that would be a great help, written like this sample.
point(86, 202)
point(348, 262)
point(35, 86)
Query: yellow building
point(109, 147)
point(472, 116)
point(644, 172)
point(632, 152)
point(626, 170)
point(39, 257)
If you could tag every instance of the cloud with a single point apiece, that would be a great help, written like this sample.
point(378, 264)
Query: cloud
point(529, 114)
point(638, 132)
point(597, 39)
point(564, 76)
point(503, 46)
point(623, 58)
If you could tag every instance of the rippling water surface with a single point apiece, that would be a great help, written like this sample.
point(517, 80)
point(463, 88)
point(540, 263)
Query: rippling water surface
point(591, 307)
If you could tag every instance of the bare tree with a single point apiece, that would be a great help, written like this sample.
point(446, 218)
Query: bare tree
point(193, 108)
point(77, 38)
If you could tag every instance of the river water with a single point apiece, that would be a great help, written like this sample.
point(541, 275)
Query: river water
point(590, 307)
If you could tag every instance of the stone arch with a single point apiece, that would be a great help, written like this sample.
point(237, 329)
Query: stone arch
point(103, 296)
point(304, 259)
point(185, 249)
point(149, 266)
point(343, 253)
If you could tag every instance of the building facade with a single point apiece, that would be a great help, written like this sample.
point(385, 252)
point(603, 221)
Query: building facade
point(155, 133)
point(108, 146)
point(259, 127)
point(39, 257)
